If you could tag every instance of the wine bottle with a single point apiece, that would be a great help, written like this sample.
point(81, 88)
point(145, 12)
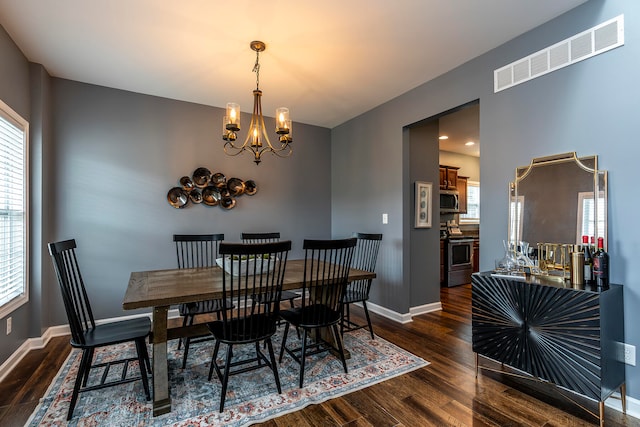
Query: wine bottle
point(588, 261)
point(601, 265)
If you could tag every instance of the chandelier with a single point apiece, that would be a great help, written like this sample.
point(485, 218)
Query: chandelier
point(257, 140)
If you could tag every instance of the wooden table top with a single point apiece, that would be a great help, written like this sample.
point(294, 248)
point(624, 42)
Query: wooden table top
point(168, 287)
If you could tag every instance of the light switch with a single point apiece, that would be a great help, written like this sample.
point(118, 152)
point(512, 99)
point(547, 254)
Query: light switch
point(385, 218)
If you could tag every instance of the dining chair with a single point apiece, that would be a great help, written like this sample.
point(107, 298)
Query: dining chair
point(266, 238)
point(196, 251)
point(254, 268)
point(326, 272)
point(87, 336)
point(364, 258)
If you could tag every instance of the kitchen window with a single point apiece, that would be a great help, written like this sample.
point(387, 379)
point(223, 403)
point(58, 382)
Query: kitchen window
point(473, 204)
point(14, 290)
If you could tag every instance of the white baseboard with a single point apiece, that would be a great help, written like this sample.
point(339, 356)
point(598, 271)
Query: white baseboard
point(406, 317)
point(633, 405)
point(426, 308)
point(51, 332)
point(30, 344)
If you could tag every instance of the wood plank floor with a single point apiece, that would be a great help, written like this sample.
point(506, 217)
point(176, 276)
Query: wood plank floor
point(445, 393)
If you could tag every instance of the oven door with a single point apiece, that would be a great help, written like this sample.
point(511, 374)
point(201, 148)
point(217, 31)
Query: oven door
point(459, 261)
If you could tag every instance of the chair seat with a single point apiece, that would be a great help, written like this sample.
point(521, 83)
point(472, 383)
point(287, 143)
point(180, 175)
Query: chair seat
point(247, 329)
point(202, 307)
point(116, 332)
point(311, 316)
point(351, 296)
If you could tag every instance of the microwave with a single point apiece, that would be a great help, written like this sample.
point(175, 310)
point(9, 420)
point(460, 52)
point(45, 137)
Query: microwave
point(449, 201)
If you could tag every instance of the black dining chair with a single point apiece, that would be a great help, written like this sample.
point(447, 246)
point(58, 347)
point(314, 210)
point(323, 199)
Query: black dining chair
point(326, 272)
point(253, 268)
point(364, 258)
point(88, 336)
point(267, 238)
point(196, 251)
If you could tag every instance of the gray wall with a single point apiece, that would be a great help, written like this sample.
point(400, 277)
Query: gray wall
point(588, 107)
point(117, 155)
point(423, 166)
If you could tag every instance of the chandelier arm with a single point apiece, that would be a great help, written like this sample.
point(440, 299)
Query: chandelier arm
point(231, 146)
point(278, 152)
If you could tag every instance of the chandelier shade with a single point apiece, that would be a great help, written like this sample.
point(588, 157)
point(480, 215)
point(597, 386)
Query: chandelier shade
point(257, 141)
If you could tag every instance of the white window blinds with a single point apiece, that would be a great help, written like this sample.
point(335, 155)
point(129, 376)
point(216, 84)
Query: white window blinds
point(13, 136)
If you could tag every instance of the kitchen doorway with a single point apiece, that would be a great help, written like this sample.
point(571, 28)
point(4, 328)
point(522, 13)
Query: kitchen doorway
point(459, 148)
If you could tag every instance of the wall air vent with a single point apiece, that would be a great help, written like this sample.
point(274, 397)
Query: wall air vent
point(594, 41)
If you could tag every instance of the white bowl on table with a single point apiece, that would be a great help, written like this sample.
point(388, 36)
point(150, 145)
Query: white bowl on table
point(261, 265)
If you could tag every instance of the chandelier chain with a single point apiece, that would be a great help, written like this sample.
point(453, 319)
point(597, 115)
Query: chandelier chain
point(256, 69)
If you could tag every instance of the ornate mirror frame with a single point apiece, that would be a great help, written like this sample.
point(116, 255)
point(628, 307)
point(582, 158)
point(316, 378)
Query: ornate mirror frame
point(549, 198)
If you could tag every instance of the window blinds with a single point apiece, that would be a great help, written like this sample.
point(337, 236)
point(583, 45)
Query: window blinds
point(12, 209)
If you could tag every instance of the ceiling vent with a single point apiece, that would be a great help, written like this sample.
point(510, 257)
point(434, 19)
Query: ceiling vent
point(594, 41)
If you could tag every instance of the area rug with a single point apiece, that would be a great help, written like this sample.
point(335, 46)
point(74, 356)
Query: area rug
point(251, 397)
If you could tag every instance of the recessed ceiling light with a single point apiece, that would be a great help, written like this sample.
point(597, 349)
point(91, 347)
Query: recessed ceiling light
point(443, 137)
point(469, 143)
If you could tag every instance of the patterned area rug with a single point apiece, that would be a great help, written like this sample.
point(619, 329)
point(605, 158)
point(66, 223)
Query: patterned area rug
point(251, 397)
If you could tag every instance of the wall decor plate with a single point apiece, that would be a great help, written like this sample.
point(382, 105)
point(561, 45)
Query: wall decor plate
point(250, 187)
point(195, 196)
point(228, 202)
point(211, 196)
point(201, 177)
point(186, 183)
point(177, 197)
point(235, 186)
point(219, 180)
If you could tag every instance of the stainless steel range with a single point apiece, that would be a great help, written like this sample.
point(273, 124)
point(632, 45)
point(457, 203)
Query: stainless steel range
point(459, 256)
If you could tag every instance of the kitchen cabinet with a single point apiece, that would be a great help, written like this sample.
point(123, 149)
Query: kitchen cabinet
point(448, 177)
point(462, 191)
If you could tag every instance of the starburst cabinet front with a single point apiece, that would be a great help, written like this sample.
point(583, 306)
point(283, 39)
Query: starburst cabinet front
point(569, 337)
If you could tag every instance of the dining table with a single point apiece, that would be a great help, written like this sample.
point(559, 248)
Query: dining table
point(161, 289)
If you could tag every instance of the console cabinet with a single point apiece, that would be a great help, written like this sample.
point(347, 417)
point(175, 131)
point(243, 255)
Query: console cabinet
point(570, 337)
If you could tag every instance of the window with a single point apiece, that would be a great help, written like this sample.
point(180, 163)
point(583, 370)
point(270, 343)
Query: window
point(516, 208)
point(14, 290)
point(473, 204)
point(586, 215)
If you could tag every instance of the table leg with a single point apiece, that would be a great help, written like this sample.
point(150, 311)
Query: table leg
point(161, 397)
point(327, 335)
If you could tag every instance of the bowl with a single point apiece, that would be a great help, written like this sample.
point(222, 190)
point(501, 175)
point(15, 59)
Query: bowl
point(241, 266)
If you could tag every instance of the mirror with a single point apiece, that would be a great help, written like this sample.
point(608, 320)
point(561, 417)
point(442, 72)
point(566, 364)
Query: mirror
point(552, 200)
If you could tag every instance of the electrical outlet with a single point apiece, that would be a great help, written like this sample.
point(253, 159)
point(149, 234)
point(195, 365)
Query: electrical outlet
point(385, 218)
point(630, 354)
point(9, 322)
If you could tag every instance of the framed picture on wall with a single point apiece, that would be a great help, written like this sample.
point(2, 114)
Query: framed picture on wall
point(423, 204)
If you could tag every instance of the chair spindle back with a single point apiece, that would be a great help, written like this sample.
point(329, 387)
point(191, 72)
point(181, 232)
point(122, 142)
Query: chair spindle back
point(255, 269)
point(74, 294)
point(197, 250)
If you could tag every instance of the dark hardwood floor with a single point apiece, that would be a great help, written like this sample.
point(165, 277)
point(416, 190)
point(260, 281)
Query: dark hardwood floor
point(445, 393)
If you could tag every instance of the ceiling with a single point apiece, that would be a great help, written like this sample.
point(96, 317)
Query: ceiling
point(461, 127)
point(328, 61)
